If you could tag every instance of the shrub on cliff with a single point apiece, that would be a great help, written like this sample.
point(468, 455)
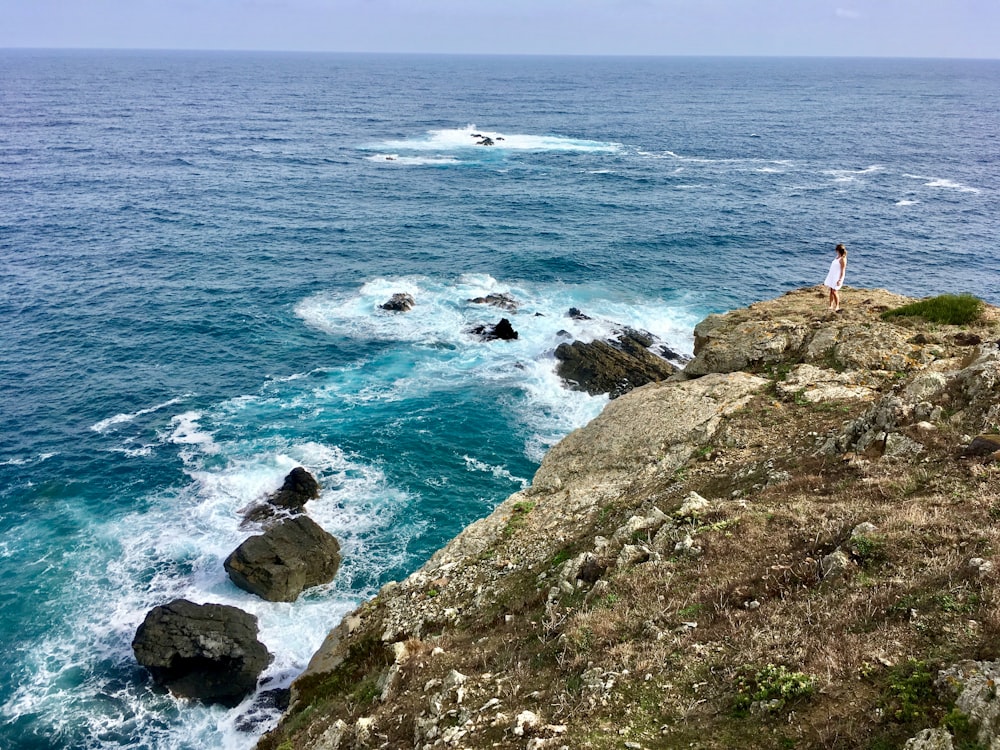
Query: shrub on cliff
point(952, 309)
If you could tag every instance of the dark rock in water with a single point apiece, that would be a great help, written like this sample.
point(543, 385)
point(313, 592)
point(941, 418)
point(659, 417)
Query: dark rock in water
point(503, 300)
point(486, 141)
point(502, 330)
point(264, 706)
point(299, 487)
point(205, 652)
point(983, 445)
point(477, 135)
point(673, 356)
point(399, 302)
point(613, 367)
point(575, 314)
point(563, 333)
point(287, 558)
point(500, 138)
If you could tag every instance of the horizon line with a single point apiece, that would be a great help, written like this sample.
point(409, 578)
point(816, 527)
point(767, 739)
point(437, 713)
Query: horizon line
point(494, 54)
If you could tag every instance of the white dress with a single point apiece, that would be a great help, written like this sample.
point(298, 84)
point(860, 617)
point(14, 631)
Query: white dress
point(834, 276)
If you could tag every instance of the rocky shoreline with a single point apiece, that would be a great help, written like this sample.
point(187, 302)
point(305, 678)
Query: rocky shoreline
point(792, 540)
point(210, 652)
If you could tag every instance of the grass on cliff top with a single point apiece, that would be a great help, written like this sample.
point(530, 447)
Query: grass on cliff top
point(951, 309)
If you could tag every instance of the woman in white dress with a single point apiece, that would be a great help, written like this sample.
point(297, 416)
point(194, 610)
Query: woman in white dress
point(835, 277)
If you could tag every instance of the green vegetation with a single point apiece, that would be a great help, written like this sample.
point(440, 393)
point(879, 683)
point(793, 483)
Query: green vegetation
point(560, 557)
point(952, 309)
point(772, 687)
point(910, 692)
point(517, 517)
point(869, 550)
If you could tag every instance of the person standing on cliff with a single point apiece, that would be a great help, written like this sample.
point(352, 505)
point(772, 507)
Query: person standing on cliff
point(835, 277)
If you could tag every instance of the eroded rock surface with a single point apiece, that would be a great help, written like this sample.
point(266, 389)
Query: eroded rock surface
point(796, 327)
point(205, 652)
point(614, 367)
point(286, 559)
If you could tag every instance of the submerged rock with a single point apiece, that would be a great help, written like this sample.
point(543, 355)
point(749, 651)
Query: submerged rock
point(503, 300)
point(205, 652)
point(287, 558)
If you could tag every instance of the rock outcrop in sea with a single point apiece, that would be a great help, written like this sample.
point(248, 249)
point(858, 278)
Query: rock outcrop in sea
point(399, 302)
point(210, 652)
point(205, 652)
point(502, 330)
point(283, 561)
point(615, 366)
point(793, 540)
point(298, 488)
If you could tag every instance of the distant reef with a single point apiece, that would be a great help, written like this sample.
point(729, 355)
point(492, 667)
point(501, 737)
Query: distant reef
point(790, 542)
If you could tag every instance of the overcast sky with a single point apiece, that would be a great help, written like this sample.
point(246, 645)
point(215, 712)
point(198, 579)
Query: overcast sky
point(896, 28)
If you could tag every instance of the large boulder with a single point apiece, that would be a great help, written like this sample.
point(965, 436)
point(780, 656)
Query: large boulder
point(287, 558)
point(613, 367)
point(205, 652)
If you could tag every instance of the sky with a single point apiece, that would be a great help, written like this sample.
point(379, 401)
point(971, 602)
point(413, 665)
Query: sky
point(879, 28)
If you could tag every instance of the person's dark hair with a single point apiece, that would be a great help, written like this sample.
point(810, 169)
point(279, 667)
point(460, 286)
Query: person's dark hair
point(841, 250)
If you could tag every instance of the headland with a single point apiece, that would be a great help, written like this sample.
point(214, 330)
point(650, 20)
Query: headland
point(790, 543)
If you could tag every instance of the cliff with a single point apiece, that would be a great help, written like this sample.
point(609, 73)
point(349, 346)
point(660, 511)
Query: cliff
point(789, 544)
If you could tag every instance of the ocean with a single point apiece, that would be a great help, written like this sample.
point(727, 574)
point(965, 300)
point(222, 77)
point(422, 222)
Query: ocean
point(194, 246)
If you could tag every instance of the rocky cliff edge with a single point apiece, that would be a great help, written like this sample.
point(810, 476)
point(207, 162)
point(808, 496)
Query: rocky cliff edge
point(791, 541)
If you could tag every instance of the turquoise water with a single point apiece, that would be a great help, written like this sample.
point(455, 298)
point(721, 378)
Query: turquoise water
point(194, 247)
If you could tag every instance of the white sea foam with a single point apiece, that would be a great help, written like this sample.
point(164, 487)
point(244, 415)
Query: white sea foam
point(941, 182)
point(105, 424)
point(410, 161)
point(142, 451)
point(501, 472)
point(463, 139)
point(447, 355)
point(18, 461)
point(907, 202)
point(185, 430)
point(175, 548)
point(951, 185)
point(851, 175)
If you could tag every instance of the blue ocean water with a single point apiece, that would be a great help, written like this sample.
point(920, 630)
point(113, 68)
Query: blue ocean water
point(193, 247)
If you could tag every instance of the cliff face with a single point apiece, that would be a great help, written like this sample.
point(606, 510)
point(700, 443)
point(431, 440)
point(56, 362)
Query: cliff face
point(786, 542)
